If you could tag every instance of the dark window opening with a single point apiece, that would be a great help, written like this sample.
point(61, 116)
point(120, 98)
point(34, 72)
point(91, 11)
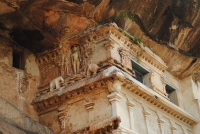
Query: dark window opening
point(139, 77)
point(172, 94)
point(140, 71)
point(17, 60)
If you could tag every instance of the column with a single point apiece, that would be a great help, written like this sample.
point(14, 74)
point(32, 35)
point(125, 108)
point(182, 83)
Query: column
point(114, 99)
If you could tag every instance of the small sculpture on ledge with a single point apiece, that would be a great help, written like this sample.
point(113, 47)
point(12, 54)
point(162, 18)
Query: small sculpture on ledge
point(92, 69)
point(56, 83)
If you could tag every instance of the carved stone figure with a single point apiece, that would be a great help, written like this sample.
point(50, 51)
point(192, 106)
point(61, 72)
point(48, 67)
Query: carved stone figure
point(92, 69)
point(56, 83)
point(76, 59)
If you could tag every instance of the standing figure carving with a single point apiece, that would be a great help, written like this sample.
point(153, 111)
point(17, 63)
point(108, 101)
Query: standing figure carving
point(76, 59)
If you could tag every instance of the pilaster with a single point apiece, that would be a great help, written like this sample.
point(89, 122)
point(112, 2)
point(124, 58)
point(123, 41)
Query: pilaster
point(90, 106)
point(114, 99)
point(173, 128)
point(146, 117)
point(131, 105)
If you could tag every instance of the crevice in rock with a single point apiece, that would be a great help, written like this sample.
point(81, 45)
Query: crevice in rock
point(191, 64)
point(162, 42)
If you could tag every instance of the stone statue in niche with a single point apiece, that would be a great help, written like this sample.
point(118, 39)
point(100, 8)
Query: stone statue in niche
point(65, 66)
point(56, 83)
point(76, 58)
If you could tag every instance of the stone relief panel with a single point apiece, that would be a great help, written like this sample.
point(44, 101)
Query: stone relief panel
point(70, 61)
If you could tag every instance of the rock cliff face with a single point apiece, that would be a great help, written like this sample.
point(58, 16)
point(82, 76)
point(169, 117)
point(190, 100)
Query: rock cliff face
point(170, 28)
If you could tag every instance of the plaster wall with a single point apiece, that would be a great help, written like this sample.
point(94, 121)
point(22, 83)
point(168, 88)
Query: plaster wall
point(174, 82)
point(189, 90)
point(148, 124)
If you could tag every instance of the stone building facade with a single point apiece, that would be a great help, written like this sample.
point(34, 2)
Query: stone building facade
point(99, 81)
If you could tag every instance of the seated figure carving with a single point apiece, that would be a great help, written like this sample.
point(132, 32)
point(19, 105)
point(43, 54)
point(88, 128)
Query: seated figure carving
point(92, 69)
point(56, 83)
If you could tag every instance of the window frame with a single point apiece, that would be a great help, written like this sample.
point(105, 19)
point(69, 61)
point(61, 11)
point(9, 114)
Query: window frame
point(21, 59)
point(138, 68)
point(169, 90)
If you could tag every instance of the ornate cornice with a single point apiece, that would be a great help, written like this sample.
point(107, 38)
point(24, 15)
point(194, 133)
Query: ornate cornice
point(105, 126)
point(156, 99)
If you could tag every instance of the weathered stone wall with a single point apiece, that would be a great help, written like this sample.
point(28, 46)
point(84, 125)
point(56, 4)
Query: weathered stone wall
point(19, 86)
point(77, 113)
point(14, 121)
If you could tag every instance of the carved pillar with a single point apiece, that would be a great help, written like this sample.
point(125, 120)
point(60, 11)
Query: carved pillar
point(114, 99)
point(90, 106)
point(160, 123)
point(184, 131)
point(146, 117)
point(173, 128)
point(62, 117)
point(130, 109)
point(109, 45)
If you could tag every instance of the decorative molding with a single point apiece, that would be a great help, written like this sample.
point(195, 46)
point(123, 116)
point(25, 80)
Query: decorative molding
point(131, 105)
point(106, 126)
point(45, 102)
point(160, 123)
point(89, 106)
point(146, 114)
point(114, 97)
point(62, 116)
point(109, 44)
point(173, 128)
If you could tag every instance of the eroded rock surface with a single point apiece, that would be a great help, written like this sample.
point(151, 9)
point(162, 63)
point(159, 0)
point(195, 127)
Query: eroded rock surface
point(172, 25)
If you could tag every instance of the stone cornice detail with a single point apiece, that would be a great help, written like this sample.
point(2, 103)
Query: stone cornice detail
point(89, 106)
point(114, 97)
point(105, 126)
point(45, 102)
